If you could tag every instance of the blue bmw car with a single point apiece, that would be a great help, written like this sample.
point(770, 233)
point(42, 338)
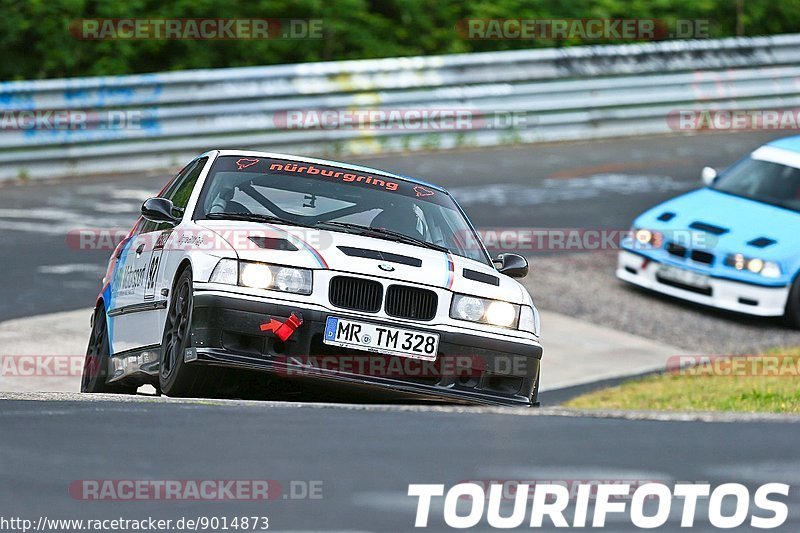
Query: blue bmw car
point(734, 244)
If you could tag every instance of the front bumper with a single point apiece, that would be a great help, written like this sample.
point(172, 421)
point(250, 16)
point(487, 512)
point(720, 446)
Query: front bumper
point(469, 368)
point(723, 293)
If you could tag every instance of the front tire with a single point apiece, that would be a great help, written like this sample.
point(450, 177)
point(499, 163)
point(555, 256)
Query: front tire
point(98, 359)
point(175, 376)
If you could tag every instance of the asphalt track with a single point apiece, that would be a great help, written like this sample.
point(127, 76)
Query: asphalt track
point(365, 457)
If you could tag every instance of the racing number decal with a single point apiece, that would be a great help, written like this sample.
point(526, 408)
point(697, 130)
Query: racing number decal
point(155, 263)
point(149, 289)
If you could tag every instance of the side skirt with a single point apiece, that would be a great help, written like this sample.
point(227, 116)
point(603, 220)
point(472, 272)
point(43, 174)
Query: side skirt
point(139, 366)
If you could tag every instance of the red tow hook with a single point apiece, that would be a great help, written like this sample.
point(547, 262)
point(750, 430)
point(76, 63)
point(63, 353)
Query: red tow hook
point(283, 330)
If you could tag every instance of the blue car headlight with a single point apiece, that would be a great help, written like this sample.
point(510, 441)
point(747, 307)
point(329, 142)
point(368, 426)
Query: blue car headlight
point(645, 238)
point(768, 269)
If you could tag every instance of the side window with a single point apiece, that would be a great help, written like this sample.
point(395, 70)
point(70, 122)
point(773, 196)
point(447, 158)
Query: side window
point(184, 186)
point(147, 226)
point(178, 191)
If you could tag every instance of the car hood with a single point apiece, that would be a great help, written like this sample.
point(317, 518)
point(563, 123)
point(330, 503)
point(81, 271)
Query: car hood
point(344, 252)
point(730, 223)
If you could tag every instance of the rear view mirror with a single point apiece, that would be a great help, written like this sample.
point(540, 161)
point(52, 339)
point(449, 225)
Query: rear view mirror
point(159, 210)
point(709, 176)
point(513, 265)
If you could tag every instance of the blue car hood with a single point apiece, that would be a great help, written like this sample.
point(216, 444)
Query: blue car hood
point(744, 219)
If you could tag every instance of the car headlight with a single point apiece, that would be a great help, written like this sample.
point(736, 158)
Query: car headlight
point(494, 312)
point(292, 280)
point(646, 237)
point(501, 314)
point(755, 265)
point(255, 275)
point(468, 308)
point(226, 271)
point(768, 269)
point(771, 270)
point(529, 320)
point(262, 276)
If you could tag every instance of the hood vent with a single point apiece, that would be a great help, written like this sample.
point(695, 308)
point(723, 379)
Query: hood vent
point(474, 275)
point(762, 242)
point(666, 216)
point(708, 228)
point(380, 256)
point(274, 243)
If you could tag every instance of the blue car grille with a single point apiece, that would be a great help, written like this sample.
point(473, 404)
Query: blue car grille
point(699, 256)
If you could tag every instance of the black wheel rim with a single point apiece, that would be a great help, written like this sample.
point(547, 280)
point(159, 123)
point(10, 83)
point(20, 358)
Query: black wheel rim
point(177, 330)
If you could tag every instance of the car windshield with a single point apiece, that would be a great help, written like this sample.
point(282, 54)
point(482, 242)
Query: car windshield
point(336, 199)
point(763, 181)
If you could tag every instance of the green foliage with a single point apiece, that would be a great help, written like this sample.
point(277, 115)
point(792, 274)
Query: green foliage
point(36, 37)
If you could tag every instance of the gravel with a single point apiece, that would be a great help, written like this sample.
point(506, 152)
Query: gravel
point(583, 285)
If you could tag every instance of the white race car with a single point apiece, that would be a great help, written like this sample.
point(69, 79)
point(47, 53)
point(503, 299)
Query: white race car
point(254, 272)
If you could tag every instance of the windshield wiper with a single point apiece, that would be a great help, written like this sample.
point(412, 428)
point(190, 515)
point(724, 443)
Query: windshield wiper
point(256, 217)
point(384, 233)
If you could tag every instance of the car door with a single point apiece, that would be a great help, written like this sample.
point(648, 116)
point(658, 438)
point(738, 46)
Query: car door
point(125, 312)
point(138, 299)
point(155, 291)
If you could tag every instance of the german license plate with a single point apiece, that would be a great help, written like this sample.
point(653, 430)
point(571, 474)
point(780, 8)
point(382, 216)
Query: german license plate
point(380, 338)
point(686, 277)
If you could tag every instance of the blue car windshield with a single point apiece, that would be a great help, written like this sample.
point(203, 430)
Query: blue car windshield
point(763, 181)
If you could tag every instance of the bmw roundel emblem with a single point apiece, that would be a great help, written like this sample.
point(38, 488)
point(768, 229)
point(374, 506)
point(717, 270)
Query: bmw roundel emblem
point(386, 267)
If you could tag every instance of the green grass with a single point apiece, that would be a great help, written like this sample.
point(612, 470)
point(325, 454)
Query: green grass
point(769, 384)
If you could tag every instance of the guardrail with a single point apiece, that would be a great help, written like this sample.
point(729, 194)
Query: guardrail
point(552, 94)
